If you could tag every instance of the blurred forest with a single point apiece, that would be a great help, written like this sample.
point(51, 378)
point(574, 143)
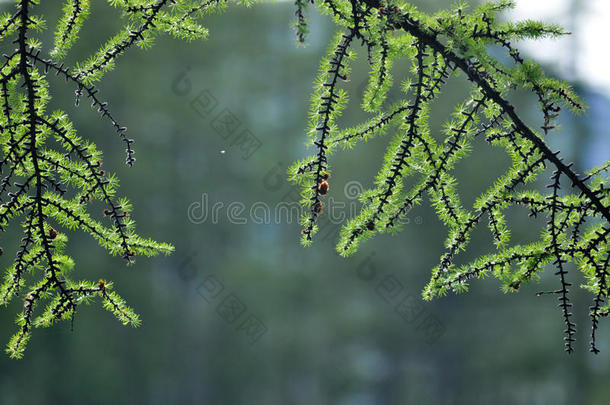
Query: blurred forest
point(311, 328)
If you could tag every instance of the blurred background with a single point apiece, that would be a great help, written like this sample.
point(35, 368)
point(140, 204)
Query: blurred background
point(241, 313)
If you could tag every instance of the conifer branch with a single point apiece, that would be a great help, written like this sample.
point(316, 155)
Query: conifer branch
point(331, 100)
point(50, 175)
point(439, 47)
point(49, 188)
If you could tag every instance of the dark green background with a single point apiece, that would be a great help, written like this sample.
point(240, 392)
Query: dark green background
point(331, 338)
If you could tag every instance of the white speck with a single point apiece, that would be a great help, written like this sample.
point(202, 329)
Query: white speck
point(222, 152)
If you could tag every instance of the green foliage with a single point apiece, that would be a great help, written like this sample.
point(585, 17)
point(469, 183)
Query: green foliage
point(417, 164)
point(51, 177)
